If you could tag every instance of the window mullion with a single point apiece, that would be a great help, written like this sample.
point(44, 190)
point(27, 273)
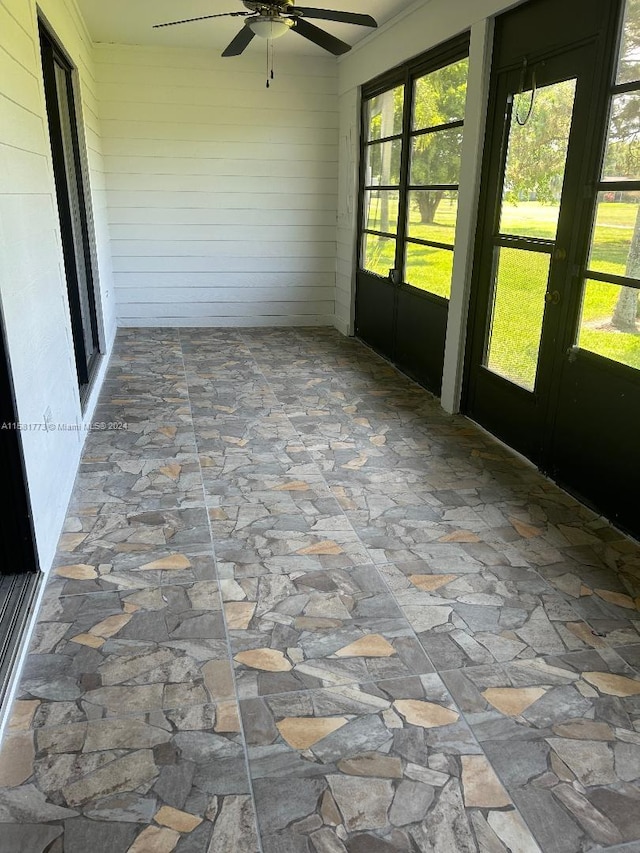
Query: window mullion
point(405, 157)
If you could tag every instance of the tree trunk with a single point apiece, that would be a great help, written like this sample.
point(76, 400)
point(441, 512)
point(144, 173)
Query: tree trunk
point(428, 204)
point(625, 314)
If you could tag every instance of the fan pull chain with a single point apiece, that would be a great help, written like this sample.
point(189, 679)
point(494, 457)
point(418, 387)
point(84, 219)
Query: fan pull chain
point(270, 74)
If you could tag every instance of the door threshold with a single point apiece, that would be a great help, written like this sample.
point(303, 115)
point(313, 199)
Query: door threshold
point(17, 594)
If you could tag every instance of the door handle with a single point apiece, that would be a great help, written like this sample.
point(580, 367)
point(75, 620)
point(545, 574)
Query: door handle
point(552, 297)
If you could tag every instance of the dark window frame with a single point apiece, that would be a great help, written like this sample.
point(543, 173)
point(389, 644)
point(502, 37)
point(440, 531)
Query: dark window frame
point(77, 249)
point(610, 185)
point(405, 75)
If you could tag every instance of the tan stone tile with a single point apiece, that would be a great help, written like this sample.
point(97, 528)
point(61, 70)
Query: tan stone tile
point(90, 640)
point(22, 714)
point(155, 839)
point(428, 715)
point(328, 546)
point(370, 646)
point(303, 732)
point(527, 531)
point(77, 572)
point(111, 625)
point(354, 464)
point(613, 685)
point(269, 660)
point(227, 717)
point(176, 819)
point(239, 614)
point(617, 598)
point(512, 701)
point(172, 471)
point(218, 514)
point(295, 486)
point(430, 582)
point(16, 759)
point(70, 541)
point(173, 561)
point(482, 788)
point(460, 536)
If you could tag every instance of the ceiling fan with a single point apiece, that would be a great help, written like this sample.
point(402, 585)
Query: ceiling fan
point(270, 20)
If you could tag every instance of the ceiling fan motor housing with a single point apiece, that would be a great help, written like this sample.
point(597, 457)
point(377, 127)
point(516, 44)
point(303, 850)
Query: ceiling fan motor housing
point(269, 9)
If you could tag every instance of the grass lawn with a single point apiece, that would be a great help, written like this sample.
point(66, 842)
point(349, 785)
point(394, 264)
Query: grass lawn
point(522, 280)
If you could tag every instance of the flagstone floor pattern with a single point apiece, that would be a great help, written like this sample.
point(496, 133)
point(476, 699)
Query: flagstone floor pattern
point(296, 608)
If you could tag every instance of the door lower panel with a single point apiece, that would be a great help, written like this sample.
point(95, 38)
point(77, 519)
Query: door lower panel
point(420, 336)
point(596, 450)
point(375, 309)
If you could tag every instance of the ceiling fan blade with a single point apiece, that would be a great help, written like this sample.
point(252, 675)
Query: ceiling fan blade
point(201, 18)
point(319, 37)
point(334, 15)
point(238, 44)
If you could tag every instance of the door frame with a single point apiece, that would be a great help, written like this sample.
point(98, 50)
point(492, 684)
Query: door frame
point(86, 368)
point(562, 419)
point(500, 402)
point(508, 57)
point(17, 525)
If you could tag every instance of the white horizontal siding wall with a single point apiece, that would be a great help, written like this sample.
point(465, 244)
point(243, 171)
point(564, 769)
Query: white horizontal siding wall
point(222, 193)
point(33, 291)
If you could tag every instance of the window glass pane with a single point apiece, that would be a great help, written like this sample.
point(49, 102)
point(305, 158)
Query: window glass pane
point(518, 309)
point(429, 269)
point(536, 156)
point(439, 96)
point(378, 254)
point(381, 210)
point(615, 244)
point(435, 157)
point(432, 215)
point(384, 114)
point(622, 157)
point(383, 164)
point(610, 323)
point(629, 62)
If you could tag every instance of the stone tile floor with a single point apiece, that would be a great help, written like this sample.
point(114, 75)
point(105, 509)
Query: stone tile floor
point(296, 608)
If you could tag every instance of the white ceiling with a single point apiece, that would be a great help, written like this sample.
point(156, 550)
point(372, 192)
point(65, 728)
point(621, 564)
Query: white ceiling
point(131, 22)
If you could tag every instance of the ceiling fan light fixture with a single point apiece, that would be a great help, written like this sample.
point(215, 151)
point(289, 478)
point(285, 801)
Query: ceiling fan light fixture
point(269, 26)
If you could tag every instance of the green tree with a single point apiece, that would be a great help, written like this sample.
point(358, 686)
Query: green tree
point(439, 98)
point(622, 160)
point(537, 153)
point(385, 119)
point(538, 144)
